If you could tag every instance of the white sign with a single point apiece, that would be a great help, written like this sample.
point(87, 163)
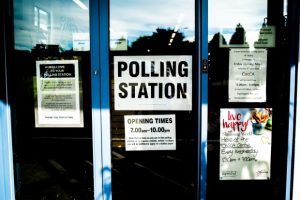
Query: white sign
point(150, 132)
point(118, 41)
point(153, 82)
point(247, 75)
point(58, 101)
point(81, 41)
point(245, 143)
point(266, 37)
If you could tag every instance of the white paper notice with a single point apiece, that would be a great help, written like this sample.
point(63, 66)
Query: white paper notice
point(153, 82)
point(247, 75)
point(58, 101)
point(245, 143)
point(266, 37)
point(150, 132)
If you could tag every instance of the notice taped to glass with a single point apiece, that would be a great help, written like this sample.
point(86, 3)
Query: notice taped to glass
point(245, 143)
point(57, 94)
point(247, 75)
point(153, 82)
point(150, 132)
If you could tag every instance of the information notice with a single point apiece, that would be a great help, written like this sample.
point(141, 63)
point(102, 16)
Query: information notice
point(266, 37)
point(153, 82)
point(150, 132)
point(245, 143)
point(57, 94)
point(247, 75)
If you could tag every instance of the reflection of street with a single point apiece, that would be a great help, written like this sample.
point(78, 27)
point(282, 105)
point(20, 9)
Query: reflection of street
point(156, 176)
point(153, 176)
point(56, 179)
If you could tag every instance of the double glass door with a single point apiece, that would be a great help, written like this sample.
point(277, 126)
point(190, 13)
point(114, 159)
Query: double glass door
point(133, 100)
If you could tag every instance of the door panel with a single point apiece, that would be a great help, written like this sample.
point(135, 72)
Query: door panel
point(50, 76)
point(153, 70)
point(248, 75)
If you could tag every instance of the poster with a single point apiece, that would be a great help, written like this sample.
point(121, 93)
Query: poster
point(247, 75)
point(153, 82)
point(245, 143)
point(81, 41)
point(118, 41)
point(266, 37)
point(57, 94)
point(150, 132)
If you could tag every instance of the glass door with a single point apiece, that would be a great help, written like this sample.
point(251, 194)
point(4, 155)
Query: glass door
point(248, 101)
point(49, 71)
point(154, 99)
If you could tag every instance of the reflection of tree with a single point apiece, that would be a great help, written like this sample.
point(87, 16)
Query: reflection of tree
point(218, 58)
point(218, 82)
point(239, 36)
point(214, 43)
point(159, 42)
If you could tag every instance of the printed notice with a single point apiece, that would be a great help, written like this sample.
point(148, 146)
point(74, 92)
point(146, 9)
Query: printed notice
point(247, 75)
point(266, 37)
point(153, 82)
point(245, 143)
point(57, 94)
point(150, 132)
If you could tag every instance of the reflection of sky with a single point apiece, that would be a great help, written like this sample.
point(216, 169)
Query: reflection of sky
point(223, 16)
point(141, 18)
point(61, 25)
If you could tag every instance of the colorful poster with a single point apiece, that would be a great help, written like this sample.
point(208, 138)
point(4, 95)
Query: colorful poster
point(153, 82)
point(57, 94)
point(150, 132)
point(245, 143)
point(247, 75)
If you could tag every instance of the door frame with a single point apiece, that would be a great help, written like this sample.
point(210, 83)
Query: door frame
point(99, 31)
point(7, 188)
point(293, 171)
point(101, 96)
point(99, 23)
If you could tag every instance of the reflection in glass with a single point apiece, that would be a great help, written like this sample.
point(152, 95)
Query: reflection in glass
point(244, 59)
point(52, 161)
point(152, 37)
point(47, 22)
point(228, 20)
point(133, 20)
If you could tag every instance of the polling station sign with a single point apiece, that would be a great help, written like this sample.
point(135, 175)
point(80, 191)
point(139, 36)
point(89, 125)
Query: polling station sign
point(153, 82)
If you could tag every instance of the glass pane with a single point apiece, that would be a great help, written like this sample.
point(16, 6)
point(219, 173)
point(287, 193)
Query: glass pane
point(248, 105)
point(153, 114)
point(51, 100)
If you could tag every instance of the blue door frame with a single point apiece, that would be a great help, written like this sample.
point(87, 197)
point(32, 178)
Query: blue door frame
point(293, 165)
point(101, 102)
point(6, 153)
point(99, 31)
point(99, 23)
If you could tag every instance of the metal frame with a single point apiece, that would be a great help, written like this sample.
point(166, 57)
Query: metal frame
point(99, 31)
point(7, 190)
point(202, 34)
point(99, 23)
point(6, 158)
point(101, 102)
point(99, 17)
point(293, 154)
point(295, 194)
